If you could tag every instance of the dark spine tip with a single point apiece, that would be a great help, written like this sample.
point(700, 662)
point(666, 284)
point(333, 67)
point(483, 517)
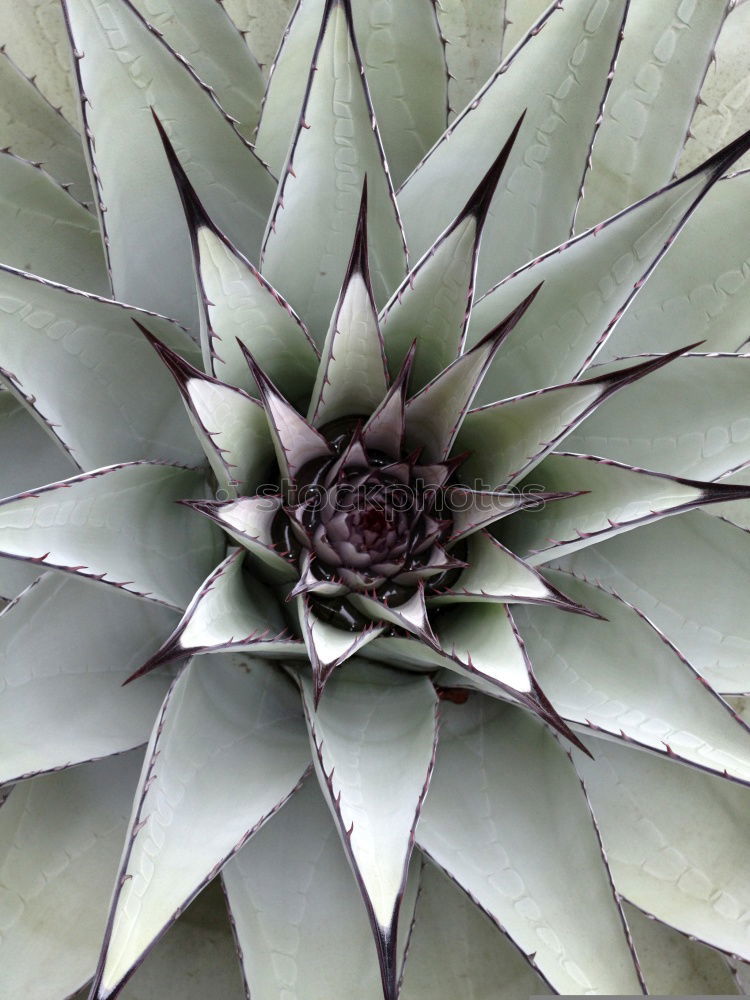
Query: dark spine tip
point(181, 369)
point(479, 203)
point(358, 261)
point(720, 162)
point(385, 941)
point(168, 652)
point(498, 334)
point(195, 213)
point(619, 379)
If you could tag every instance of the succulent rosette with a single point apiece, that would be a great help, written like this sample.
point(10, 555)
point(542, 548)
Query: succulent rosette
point(383, 467)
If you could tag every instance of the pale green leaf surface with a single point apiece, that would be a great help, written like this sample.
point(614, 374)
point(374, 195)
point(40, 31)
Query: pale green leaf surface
point(677, 847)
point(240, 304)
point(587, 284)
point(660, 69)
point(125, 72)
point(31, 457)
point(691, 576)
point(674, 964)
point(725, 111)
point(60, 838)
point(534, 206)
point(432, 302)
point(262, 24)
point(33, 35)
point(473, 32)
point(66, 646)
point(690, 419)
point(299, 919)
point(121, 525)
point(228, 748)
point(61, 346)
point(618, 499)
point(43, 229)
point(402, 52)
point(621, 677)
point(33, 129)
point(205, 35)
point(335, 146)
point(497, 832)
point(327, 645)
point(403, 59)
point(521, 16)
point(457, 952)
point(352, 377)
point(701, 289)
point(373, 735)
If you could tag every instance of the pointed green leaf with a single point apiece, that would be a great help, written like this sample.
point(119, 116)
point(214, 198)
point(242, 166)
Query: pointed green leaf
point(352, 376)
point(432, 304)
point(534, 207)
point(701, 433)
point(206, 36)
point(66, 646)
point(496, 575)
point(249, 521)
point(403, 59)
point(701, 289)
point(196, 958)
point(328, 646)
point(588, 284)
point(120, 525)
point(124, 71)
point(456, 948)
point(497, 832)
point(691, 576)
point(660, 68)
point(621, 677)
point(506, 440)
point(230, 425)
point(238, 307)
point(15, 577)
point(60, 838)
point(59, 347)
point(33, 129)
point(46, 231)
point(230, 611)
point(288, 883)
point(307, 242)
point(483, 636)
point(677, 845)
point(227, 750)
point(434, 416)
point(615, 498)
point(373, 736)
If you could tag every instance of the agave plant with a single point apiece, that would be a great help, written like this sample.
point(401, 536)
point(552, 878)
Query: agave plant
point(383, 467)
